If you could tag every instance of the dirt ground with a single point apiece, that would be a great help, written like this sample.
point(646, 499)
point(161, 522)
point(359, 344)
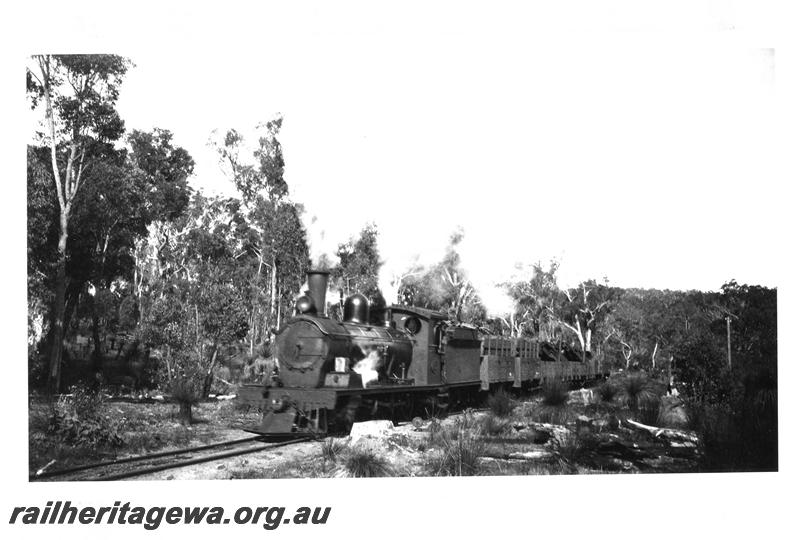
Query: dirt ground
point(586, 439)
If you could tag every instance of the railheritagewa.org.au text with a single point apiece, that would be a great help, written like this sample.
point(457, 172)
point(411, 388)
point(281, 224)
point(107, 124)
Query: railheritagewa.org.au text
point(153, 517)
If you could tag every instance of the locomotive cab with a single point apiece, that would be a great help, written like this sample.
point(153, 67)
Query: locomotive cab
point(443, 352)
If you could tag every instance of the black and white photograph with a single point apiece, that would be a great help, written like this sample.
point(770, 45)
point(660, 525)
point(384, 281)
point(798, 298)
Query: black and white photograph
point(327, 253)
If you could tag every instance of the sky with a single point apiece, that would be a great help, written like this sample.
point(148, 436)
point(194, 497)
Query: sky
point(621, 154)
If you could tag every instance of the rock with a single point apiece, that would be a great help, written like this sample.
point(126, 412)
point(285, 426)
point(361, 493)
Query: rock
point(558, 435)
point(584, 396)
point(376, 429)
point(584, 425)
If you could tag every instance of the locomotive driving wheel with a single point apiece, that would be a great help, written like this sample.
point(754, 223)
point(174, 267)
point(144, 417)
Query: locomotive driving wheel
point(439, 403)
point(444, 402)
point(409, 406)
point(403, 407)
point(347, 413)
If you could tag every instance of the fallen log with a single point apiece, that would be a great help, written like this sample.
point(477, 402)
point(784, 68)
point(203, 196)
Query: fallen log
point(43, 469)
point(531, 456)
point(663, 433)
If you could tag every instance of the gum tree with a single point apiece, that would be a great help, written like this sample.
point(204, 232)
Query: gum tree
point(274, 246)
point(79, 95)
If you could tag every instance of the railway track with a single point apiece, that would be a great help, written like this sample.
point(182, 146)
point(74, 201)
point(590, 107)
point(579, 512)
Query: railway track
point(119, 469)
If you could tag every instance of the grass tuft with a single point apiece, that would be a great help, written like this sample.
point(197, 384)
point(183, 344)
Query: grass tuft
point(500, 403)
point(491, 425)
point(649, 410)
point(365, 463)
point(550, 414)
point(555, 393)
point(459, 454)
point(331, 448)
point(185, 391)
point(638, 390)
point(553, 407)
point(608, 392)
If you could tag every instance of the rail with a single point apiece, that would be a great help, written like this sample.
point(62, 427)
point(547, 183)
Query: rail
point(172, 453)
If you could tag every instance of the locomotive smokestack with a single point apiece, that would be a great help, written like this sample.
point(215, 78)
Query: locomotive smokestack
point(317, 288)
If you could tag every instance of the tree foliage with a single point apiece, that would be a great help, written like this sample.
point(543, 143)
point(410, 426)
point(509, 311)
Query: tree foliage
point(198, 314)
point(274, 249)
point(446, 287)
point(167, 169)
point(358, 267)
point(573, 315)
point(262, 177)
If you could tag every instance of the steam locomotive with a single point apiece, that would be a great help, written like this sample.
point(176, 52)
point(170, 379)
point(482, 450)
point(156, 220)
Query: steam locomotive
point(329, 372)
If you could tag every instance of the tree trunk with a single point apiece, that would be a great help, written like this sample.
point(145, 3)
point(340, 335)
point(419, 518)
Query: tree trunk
point(578, 331)
point(209, 378)
point(273, 283)
point(64, 196)
point(169, 364)
point(137, 293)
point(278, 317)
point(254, 319)
point(671, 383)
point(57, 345)
point(186, 413)
point(252, 329)
point(72, 299)
point(97, 359)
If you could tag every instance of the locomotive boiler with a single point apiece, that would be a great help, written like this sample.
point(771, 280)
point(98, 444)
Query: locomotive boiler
point(328, 371)
point(315, 351)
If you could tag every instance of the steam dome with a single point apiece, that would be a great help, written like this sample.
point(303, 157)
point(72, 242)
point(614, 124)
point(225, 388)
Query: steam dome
point(356, 309)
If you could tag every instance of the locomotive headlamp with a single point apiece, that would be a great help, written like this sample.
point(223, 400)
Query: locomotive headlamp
point(340, 364)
